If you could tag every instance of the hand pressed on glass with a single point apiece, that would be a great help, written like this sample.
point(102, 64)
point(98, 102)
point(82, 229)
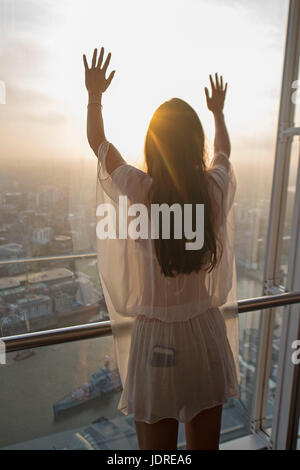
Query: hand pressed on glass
point(215, 103)
point(95, 80)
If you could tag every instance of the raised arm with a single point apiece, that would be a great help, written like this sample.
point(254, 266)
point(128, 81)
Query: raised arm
point(215, 104)
point(96, 85)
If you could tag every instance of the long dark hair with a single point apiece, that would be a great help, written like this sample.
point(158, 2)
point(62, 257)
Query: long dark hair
point(176, 160)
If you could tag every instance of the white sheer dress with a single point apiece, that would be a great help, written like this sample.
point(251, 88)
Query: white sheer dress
point(176, 339)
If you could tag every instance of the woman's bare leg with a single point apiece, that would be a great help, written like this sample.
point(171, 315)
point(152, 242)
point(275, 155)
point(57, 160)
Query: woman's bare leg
point(157, 436)
point(203, 431)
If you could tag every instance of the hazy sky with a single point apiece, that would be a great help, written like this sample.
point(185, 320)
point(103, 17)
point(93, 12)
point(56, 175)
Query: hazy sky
point(160, 49)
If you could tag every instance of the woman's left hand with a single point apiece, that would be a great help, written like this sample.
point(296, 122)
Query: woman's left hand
point(95, 80)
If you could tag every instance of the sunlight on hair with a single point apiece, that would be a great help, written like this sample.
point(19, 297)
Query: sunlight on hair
point(162, 151)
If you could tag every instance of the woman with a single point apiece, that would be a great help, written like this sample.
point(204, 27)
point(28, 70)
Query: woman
point(176, 343)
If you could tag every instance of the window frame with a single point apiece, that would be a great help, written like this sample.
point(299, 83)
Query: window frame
point(285, 415)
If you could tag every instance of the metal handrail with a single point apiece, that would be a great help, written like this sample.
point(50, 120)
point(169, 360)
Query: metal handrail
point(40, 259)
point(103, 328)
point(268, 301)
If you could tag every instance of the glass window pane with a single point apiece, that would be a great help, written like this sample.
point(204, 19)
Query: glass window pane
point(50, 394)
point(272, 382)
point(273, 376)
point(296, 99)
point(289, 212)
point(37, 296)
point(48, 175)
point(237, 413)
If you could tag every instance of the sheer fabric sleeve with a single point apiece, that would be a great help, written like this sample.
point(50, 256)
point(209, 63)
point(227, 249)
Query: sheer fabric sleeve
point(125, 180)
point(118, 260)
point(222, 172)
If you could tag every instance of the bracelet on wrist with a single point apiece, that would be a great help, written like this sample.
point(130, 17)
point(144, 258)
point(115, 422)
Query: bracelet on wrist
point(95, 102)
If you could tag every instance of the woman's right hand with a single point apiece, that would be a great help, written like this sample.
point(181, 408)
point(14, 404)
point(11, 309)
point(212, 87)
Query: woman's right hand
point(215, 102)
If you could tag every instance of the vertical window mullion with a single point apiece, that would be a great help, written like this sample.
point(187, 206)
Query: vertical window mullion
point(277, 213)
